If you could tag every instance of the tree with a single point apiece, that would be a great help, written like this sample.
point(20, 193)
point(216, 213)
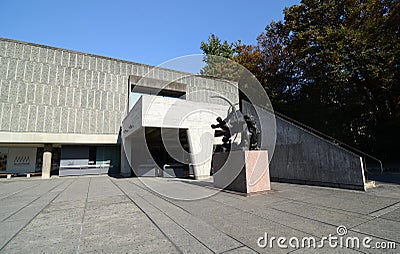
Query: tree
point(346, 55)
point(334, 65)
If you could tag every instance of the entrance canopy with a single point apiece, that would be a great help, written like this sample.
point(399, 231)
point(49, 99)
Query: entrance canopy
point(170, 114)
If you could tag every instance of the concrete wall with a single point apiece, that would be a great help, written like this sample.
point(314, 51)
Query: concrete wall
point(55, 95)
point(302, 157)
point(51, 90)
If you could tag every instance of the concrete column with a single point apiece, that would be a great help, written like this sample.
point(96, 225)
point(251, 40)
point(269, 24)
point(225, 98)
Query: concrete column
point(125, 152)
point(201, 146)
point(46, 164)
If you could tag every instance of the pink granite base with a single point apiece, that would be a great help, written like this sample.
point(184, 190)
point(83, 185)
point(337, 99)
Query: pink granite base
point(242, 171)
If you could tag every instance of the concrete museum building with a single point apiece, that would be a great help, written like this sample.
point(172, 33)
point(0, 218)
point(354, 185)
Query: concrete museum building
point(61, 113)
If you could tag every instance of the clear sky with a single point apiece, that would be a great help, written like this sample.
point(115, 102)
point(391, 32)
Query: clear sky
point(149, 32)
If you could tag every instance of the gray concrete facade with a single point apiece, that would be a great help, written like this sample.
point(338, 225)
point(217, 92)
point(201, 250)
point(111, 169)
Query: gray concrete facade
point(56, 96)
point(72, 94)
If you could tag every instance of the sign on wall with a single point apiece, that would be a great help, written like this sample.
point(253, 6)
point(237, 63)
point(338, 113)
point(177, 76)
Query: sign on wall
point(21, 160)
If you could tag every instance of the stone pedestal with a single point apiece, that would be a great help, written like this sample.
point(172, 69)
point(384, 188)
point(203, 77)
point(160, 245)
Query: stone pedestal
point(242, 171)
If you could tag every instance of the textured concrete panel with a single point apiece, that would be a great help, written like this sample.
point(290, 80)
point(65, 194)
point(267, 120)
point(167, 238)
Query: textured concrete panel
point(13, 95)
point(51, 55)
point(62, 96)
point(56, 120)
point(14, 117)
point(3, 48)
point(110, 99)
point(54, 95)
point(67, 76)
point(30, 94)
point(92, 121)
point(59, 75)
point(52, 80)
point(85, 121)
point(72, 60)
point(37, 72)
point(3, 68)
point(81, 80)
point(6, 117)
point(97, 100)
point(64, 120)
point(22, 89)
point(29, 69)
point(91, 99)
point(99, 121)
point(10, 49)
point(58, 57)
point(50, 114)
point(32, 118)
point(69, 97)
point(44, 78)
point(41, 118)
point(42, 55)
point(35, 54)
point(4, 90)
point(65, 58)
point(106, 122)
point(71, 120)
point(78, 121)
point(12, 68)
point(19, 75)
point(26, 53)
point(92, 63)
point(89, 79)
point(44, 94)
point(23, 122)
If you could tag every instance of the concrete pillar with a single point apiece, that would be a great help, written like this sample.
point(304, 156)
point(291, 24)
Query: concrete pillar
point(125, 152)
point(46, 164)
point(201, 146)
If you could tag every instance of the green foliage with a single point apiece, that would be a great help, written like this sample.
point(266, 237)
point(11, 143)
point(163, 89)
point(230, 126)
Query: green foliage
point(215, 52)
point(332, 64)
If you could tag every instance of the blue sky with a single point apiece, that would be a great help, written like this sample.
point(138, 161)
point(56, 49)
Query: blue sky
point(149, 32)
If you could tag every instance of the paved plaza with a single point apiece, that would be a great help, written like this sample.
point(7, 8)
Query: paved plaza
point(101, 214)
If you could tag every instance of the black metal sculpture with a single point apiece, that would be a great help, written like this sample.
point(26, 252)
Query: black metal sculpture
point(226, 139)
point(252, 129)
point(234, 124)
point(247, 128)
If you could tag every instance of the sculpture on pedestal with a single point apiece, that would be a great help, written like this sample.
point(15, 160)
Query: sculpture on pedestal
point(245, 126)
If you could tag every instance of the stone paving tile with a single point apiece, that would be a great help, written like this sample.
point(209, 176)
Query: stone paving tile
point(107, 215)
point(382, 228)
point(241, 250)
point(8, 189)
point(8, 229)
point(323, 214)
point(45, 238)
point(199, 231)
point(371, 248)
point(393, 215)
